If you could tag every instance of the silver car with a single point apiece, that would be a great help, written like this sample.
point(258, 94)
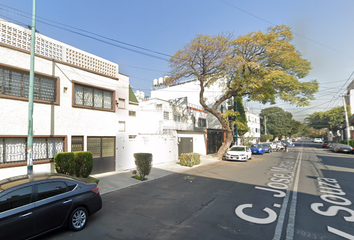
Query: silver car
point(238, 153)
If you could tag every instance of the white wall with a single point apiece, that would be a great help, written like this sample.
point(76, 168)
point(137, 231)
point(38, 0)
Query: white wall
point(199, 141)
point(63, 119)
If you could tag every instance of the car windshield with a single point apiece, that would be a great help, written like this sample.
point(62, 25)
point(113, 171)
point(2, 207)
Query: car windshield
point(254, 146)
point(238, 149)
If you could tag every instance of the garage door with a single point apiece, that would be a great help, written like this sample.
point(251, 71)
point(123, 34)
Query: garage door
point(185, 145)
point(102, 149)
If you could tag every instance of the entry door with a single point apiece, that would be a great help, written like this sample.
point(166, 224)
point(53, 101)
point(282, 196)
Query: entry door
point(185, 145)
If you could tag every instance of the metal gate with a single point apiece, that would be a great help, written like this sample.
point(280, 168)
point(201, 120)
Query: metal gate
point(102, 149)
point(185, 145)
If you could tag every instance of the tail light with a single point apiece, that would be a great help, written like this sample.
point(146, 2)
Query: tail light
point(96, 190)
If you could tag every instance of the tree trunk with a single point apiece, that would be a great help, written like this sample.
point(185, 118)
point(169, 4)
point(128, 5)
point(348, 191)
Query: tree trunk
point(225, 145)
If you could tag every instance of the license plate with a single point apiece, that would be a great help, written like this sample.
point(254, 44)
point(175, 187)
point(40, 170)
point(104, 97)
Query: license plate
point(254, 151)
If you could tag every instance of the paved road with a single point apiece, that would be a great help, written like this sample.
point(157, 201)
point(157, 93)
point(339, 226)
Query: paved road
point(306, 193)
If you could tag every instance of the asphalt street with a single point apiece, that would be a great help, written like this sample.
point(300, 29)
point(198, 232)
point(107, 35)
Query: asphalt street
point(306, 193)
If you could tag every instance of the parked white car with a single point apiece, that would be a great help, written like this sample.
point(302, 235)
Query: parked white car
point(239, 153)
point(317, 140)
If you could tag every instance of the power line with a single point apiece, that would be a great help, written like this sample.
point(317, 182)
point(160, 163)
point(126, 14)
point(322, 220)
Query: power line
point(94, 38)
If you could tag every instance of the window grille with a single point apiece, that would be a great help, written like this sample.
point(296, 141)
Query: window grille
point(166, 115)
point(14, 149)
point(16, 83)
point(92, 97)
point(77, 143)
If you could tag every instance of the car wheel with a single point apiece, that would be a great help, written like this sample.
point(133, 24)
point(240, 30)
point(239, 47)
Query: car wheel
point(78, 219)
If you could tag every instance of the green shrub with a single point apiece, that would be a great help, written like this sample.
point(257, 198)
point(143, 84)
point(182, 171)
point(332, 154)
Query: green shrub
point(83, 163)
point(143, 164)
point(265, 138)
point(351, 142)
point(64, 163)
point(189, 159)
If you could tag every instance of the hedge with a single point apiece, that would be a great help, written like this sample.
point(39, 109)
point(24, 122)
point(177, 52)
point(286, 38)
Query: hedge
point(83, 164)
point(79, 164)
point(64, 163)
point(189, 159)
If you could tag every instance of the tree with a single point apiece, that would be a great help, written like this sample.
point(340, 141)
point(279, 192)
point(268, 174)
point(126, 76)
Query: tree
point(258, 66)
point(237, 117)
point(279, 122)
point(331, 119)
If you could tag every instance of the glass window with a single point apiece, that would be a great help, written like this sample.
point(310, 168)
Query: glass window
point(166, 115)
point(108, 147)
point(177, 118)
point(132, 113)
point(47, 190)
point(121, 103)
point(16, 199)
point(13, 149)
point(77, 143)
point(92, 97)
point(16, 83)
point(94, 146)
point(201, 122)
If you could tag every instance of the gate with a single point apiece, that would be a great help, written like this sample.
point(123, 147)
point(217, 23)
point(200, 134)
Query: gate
point(102, 149)
point(185, 145)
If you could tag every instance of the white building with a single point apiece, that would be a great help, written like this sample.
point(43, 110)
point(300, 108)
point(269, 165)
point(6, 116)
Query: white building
point(81, 102)
point(190, 90)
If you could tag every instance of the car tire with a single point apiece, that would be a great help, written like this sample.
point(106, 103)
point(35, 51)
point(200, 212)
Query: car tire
point(78, 219)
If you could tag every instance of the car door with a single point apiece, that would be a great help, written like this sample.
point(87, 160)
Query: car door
point(52, 206)
point(16, 214)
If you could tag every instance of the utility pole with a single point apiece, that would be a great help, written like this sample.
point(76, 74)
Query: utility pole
point(346, 120)
point(30, 95)
point(236, 127)
point(265, 125)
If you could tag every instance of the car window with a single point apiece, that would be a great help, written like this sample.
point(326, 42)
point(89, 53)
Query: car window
point(239, 149)
point(16, 198)
point(50, 189)
point(71, 185)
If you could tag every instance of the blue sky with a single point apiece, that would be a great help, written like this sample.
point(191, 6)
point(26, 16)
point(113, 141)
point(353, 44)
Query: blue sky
point(322, 33)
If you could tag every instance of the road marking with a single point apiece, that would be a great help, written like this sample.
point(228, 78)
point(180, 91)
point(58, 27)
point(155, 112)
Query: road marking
point(292, 214)
point(281, 218)
point(340, 233)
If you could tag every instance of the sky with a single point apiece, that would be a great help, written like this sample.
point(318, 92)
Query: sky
point(141, 35)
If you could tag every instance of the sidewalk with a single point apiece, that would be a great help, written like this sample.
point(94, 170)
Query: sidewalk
point(113, 181)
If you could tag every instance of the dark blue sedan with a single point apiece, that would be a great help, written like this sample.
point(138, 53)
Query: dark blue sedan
point(257, 149)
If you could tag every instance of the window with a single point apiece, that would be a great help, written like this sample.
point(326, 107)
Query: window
point(121, 126)
point(177, 118)
point(201, 122)
point(77, 143)
point(15, 83)
point(166, 115)
point(158, 106)
point(47, 190)
point(101, 146)
point(132, 113)
point(93, 97)
point(132, 136)
point(14, 149)
point(121, 103)
point(16, 199)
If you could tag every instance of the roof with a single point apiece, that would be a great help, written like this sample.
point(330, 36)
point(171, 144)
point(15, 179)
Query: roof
point(132, 97)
